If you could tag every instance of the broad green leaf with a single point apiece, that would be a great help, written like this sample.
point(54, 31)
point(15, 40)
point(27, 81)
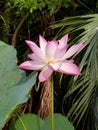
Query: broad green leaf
point(27, 122)
point(14, 85)
point(33, 122)
point(60, 123)
point(9, 72)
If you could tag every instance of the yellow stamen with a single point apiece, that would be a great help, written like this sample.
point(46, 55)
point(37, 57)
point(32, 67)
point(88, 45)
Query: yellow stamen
point(52, 62)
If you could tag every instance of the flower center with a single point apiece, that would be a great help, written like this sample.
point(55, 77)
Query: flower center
point(51, 62)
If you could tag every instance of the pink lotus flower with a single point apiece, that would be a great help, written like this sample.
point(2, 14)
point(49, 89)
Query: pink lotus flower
point(52, 56)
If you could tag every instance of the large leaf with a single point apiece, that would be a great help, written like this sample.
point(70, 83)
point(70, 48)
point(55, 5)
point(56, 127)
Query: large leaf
point(60, 123)
point(14, 85)
point(33, 122)
point(9, 72)
point(27, 122)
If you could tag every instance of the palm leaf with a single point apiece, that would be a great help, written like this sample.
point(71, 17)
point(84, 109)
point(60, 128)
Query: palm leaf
point(82, 90)
point(85, 86)
point(86, 25)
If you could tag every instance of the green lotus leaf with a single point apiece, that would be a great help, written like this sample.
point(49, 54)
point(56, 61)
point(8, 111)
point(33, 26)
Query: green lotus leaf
point(33, 122)
point(14, 84)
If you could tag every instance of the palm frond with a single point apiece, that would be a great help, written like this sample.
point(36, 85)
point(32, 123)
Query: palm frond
point(84, 87)
point(84, 26)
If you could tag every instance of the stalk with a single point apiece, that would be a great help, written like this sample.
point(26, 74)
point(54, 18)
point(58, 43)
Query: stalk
point(52, 105)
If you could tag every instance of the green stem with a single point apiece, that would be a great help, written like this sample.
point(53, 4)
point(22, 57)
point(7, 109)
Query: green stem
point(21, 121)
point(52, 89)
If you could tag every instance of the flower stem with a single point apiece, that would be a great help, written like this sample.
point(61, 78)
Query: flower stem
point(52, 91)
point(21, 121)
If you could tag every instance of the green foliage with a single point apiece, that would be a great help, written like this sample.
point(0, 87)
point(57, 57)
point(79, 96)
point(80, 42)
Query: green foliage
point(27, 121)
point(81, 95)
point(31, 5)
point(53, 6)
point(81, 28)
point(33, 122)
point(14, 85)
